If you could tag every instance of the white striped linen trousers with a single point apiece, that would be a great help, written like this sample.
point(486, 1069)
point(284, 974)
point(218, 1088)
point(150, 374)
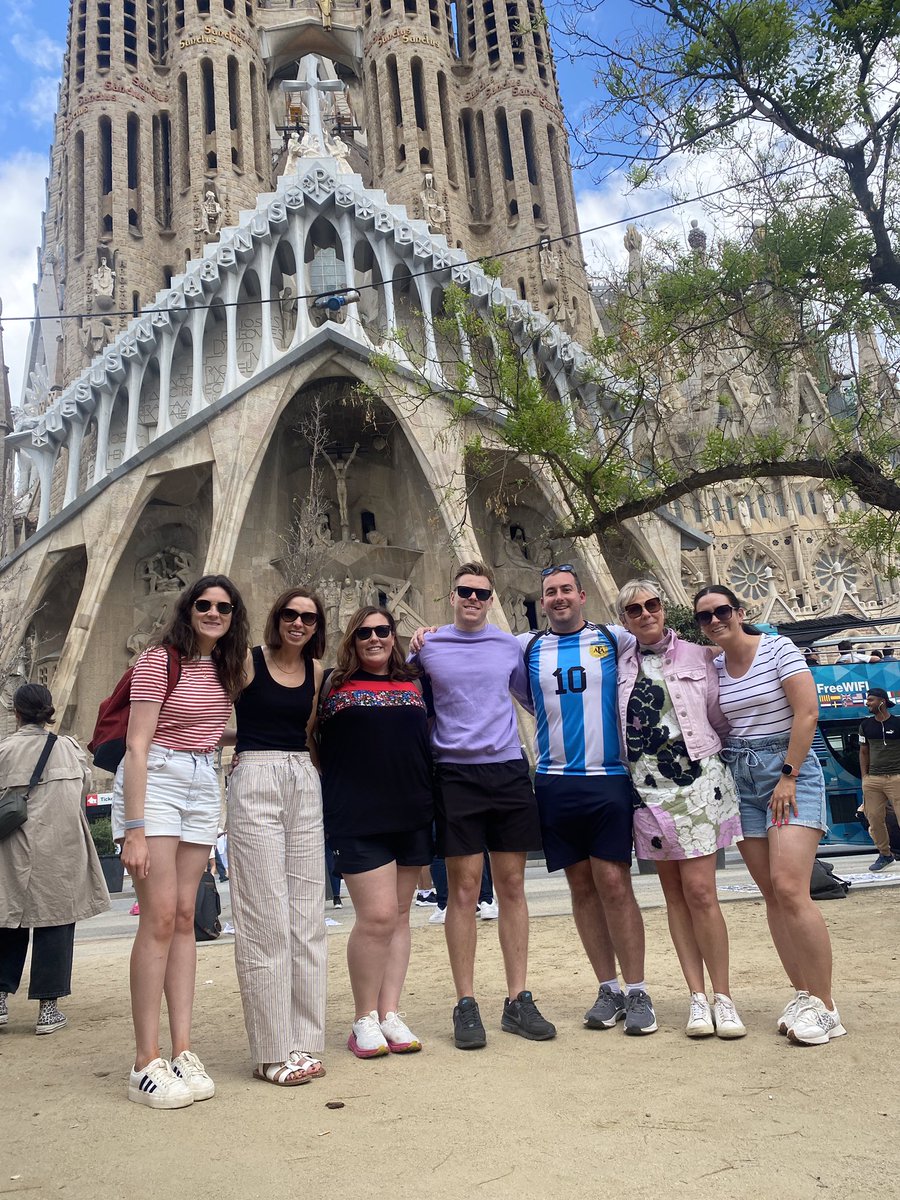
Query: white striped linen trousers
point(277, 874)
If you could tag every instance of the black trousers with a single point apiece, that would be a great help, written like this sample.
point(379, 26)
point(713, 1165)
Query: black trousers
point(52, 947)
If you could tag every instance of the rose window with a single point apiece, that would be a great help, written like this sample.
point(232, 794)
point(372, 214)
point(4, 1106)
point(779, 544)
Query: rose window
point(831, 567)
point(749, 575)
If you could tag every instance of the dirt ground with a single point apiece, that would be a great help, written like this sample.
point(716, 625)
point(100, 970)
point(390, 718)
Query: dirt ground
point(589, 1114)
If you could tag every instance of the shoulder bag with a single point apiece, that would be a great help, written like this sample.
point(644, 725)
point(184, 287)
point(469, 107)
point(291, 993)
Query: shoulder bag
point(14, 800)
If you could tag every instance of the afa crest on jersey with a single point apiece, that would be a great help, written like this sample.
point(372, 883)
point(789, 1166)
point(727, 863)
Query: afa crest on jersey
point(599, 650)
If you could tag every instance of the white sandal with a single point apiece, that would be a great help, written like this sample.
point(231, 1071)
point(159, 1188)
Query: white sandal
point(286, 1074)
point(312, 1068)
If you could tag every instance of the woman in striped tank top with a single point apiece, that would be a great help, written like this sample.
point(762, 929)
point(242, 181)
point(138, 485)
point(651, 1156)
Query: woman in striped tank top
point(166, 813)
point(768, 696)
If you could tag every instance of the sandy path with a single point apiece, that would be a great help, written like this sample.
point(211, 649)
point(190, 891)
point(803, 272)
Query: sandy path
point(591, 1114)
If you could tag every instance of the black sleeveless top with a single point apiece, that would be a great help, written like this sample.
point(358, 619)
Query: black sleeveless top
point(271, 716)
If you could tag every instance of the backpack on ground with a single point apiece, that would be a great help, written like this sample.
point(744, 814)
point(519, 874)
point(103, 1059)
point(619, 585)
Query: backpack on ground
point(207, 910)
point(107, 742)
point(824, 884)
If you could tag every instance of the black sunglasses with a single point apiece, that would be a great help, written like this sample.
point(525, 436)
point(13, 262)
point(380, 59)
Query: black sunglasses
point(555, 570)
point(723, 612)
point(465, 593)
point(653, 605)
point(222, 607)
point(291, 614)
point(364, 633)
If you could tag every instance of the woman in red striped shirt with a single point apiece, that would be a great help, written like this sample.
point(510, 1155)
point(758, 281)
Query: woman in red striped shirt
point(165, 811)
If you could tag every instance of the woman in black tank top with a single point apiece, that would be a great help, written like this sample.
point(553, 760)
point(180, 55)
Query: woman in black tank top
point(276, 846)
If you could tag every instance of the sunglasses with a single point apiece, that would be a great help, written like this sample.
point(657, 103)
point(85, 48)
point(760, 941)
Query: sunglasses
point(222, 607)
point(653, 605)
point(555, 570)
point(291, 614)
point(466, 593)
point(723, 612)
point(364, 633)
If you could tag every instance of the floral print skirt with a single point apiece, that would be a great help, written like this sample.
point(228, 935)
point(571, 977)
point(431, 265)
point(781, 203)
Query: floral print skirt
point(688, 820)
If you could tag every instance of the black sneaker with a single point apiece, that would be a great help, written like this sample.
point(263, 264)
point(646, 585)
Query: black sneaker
point(426, 899)
point(882, 861)
point(639, 1015)
point(468, 1030)
point(521, 1016)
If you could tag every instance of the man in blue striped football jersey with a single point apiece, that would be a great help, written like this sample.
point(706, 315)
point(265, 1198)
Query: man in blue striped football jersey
point(584, 793)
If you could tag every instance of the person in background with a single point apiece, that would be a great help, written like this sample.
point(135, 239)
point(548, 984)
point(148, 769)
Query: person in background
point(672, 727)
point(165, 810)
point(50, 876)
point(276, 846)
point(812, 659)
point(879, 764)
point(768, 696)
point(875, 656)
point(846, 653)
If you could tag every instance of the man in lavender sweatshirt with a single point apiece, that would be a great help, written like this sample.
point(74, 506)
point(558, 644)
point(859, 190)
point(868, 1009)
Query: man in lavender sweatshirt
point(484, 797)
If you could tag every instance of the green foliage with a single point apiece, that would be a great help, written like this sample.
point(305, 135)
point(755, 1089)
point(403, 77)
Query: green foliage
point(101, 833)
point(680, 617)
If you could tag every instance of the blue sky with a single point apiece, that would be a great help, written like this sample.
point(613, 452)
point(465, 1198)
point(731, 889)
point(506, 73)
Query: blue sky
point(32, 42)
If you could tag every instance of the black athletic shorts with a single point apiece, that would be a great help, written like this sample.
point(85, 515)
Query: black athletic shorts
point(585, 816)
point(485, 806)
point(354, 855)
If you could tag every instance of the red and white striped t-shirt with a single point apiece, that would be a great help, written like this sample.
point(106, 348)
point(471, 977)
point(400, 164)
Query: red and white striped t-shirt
point(196, 713)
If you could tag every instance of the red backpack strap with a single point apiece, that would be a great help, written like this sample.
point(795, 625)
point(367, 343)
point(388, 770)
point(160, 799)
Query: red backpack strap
point(173, 670)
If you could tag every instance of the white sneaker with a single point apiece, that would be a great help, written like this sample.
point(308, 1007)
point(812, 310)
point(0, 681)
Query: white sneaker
point(187, 1066)
point(786, 1020)
point(728, 1023)
point(157, 1086)
point(400, 1038)
point(366, 1039)
point(438, 917)
point(700, 1020)
point(488, 910)
point(814, 1025)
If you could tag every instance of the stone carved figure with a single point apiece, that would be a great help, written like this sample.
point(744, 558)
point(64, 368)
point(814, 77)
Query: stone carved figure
point(138, 641)
point(104, 280)
point(745, 516)
point(340, 469)
point(325, 8)
point(549, 261)
point(434, 211)
point(339, 150)
point(96, 334)
point(295, 151)
point(349, 601)
point(330, 595)
point(210, 213)
point(310, 146)
point(169, 570)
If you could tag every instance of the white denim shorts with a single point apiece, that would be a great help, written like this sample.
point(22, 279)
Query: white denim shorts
point(183, 797)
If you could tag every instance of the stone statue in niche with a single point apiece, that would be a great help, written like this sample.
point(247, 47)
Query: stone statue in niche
point(745, 517)
point(169, 570)
point(103, 285)
point(323, 529)
point(514, 606)
point(287, 302)
point(518, 540)
point(330, 595)
point(340, 469)
point(549, 262)
point(349, 601)
point(434, 209)
point(210, 213)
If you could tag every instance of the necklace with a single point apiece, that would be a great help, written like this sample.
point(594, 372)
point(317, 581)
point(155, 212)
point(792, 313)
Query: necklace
point(284, 670)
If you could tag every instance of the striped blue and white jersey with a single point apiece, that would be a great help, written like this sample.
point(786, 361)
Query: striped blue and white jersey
point(572, 677)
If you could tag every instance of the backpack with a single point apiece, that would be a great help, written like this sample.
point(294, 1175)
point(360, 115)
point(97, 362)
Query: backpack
point(824, 884)
point(107, 743)
point(207, 909)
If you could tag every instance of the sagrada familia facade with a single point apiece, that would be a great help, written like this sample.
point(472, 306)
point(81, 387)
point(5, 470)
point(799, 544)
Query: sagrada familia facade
point(217, 166)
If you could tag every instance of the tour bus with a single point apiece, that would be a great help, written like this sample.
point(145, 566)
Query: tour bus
point(842, 689)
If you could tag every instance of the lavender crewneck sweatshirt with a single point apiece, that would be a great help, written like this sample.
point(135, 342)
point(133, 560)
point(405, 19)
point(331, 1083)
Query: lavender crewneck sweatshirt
point(472, 675)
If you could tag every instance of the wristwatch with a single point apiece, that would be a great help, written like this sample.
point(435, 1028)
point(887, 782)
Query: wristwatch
point(787, 769)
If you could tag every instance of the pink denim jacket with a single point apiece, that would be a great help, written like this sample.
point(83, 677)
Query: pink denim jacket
point(693, 685)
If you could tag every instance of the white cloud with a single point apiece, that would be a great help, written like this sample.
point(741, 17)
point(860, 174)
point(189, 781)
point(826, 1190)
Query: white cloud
point(37, 49)
point(22, 199)
point(40, 102)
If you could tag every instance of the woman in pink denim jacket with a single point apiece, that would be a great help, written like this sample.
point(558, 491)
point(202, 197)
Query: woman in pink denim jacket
point(687, 805)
